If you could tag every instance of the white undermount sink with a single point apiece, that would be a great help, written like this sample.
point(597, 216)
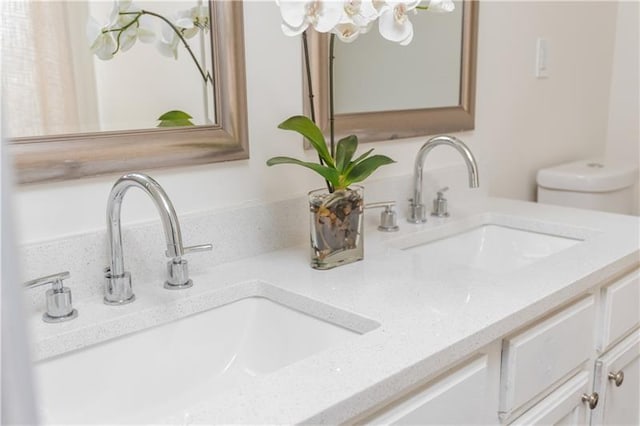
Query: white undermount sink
point(166, 369)
point(491, 247)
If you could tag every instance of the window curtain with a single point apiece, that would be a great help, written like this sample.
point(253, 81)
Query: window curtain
point(38, 87)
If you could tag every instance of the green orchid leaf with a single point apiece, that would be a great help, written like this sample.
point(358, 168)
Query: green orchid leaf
point(329, 173)
point(175, 123)
point(174, 115)
point(363, 156)
point(363, 169)
point(356, 161)
point(344, 151)
point(175, 118)
point(308, 129)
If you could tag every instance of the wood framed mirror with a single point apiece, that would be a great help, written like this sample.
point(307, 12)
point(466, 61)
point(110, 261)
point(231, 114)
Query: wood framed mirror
point(55, 157)
point(382, 123)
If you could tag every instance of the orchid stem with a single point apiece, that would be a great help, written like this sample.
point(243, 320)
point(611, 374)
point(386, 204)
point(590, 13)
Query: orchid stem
point(332, 40)
point(206, 76)
point(312, 109)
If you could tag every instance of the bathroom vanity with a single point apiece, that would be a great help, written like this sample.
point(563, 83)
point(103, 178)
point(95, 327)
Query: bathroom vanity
point(506, 312)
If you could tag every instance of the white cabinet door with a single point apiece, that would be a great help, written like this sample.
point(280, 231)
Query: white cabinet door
point(536, 359)
point(467, 395)
point(619, 405)
point(564, 406)
point(620, 307)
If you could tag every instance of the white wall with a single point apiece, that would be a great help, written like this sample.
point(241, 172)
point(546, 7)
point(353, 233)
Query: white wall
point(623, 136)
point(522, 123)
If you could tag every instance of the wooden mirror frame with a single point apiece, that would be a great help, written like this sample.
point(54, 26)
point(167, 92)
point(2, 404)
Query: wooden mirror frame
point(396, 124)
point(73, 156)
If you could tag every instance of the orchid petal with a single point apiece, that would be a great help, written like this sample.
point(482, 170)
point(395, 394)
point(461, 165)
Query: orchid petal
point(293, 12)
point(407, 40)
point(347, 32)
point(185, 23)
point(127, 39)
point(114, 15)
point(94, 30)
point(441, 6)
point(105, 48)
point(169, 50)
point(290, 31)
point(329, 16)
point(393, 29)
point(146, 35)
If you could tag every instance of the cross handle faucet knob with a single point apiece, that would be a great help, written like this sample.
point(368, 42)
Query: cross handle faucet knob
point(178, 268)
point(58, 297)
point(440, 204)
point(388, 217)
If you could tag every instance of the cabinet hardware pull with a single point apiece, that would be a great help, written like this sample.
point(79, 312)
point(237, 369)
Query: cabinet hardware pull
point(617, 378)
point(592, 399)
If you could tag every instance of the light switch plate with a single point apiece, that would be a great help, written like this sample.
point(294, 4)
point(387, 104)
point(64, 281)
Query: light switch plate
point(542, 58)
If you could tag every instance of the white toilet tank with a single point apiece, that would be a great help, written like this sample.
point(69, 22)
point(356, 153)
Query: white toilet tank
point(589, 184)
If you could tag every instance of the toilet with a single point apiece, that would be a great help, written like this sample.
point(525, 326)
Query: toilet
point(590, 184)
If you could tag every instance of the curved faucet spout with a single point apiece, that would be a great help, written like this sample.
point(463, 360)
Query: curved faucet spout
point(119, 289)
point(417, 212)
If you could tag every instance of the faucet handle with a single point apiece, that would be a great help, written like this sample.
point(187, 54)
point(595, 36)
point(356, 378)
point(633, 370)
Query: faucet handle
point(198, 248)
point(442, 191)
point(192, 249)
point(178, 268)
point(388, 217)
point(440, 204)
point(59, 305)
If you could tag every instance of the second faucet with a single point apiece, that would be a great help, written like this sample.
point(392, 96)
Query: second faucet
point(417, 209)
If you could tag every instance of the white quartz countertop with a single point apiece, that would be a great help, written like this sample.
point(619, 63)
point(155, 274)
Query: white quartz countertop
point(430, 316)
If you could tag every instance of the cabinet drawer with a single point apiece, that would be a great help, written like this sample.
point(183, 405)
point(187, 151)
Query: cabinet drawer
point(620, 309)
point(535, 359)
point(467, 395)
point(563, 406)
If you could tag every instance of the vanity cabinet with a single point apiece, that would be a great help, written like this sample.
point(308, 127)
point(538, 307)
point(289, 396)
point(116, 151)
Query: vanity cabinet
point(548, 372)
point(466, 394)
point(615, 356)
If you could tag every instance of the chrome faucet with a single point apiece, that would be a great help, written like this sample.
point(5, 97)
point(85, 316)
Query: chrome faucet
point(417, 209)
point(118, 289)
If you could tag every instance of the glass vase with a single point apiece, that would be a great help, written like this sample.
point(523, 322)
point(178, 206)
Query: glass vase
point(336, 227)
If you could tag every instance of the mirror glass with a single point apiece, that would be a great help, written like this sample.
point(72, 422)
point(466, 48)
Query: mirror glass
point(102, 86)
point(384, 91)
point(373, 74)
point(71, 81)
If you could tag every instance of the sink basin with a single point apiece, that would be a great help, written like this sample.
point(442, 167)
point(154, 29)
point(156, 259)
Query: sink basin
point(164, 370)
point(492, 248)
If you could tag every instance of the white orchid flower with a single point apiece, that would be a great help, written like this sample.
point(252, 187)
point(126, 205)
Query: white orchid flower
point(200, 17)
point(138, 31)
point(394, 23)
point(188, 23)
point(121, 32)
point(101, 40)
point(298, 15)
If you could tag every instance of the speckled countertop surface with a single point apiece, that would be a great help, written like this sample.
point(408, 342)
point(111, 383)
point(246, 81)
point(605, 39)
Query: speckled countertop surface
point(431, 315)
